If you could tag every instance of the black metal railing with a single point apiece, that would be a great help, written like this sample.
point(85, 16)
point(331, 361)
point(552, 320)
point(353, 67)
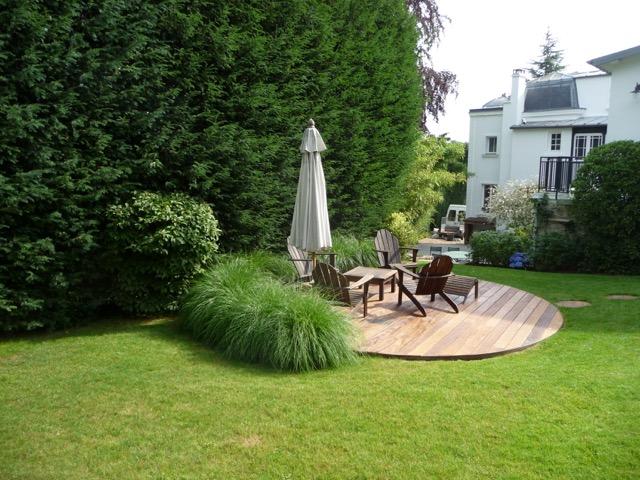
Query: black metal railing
point(558, 173)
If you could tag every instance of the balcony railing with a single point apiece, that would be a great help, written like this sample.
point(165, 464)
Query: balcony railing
point(558, 173)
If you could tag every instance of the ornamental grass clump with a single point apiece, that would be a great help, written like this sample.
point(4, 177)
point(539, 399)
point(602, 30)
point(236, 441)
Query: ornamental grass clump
point(247, 314)
point(352, 251)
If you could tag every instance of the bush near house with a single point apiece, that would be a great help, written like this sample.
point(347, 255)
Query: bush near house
point(155, 245)
point(557, 252)
point(495, 248)
point(606, 208)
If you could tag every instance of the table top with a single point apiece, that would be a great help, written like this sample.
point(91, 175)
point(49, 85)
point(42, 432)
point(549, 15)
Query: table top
point(378, 273)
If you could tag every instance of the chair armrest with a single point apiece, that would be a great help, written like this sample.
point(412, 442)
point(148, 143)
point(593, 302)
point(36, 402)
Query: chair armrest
point(364, 280)
point(402, 270)
point(414, 254)
point(300, 259)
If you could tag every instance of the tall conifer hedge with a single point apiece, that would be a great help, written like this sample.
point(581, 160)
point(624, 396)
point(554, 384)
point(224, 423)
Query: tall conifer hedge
point(206, 97)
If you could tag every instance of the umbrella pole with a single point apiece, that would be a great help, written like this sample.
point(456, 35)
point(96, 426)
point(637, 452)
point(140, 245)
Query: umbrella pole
point(313, 260)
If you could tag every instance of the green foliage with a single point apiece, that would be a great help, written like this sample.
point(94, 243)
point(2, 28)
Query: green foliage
point(495, 248)
point(352, 252)
point(550, 59)
point(407, 233)
point(427, 179)
point(557, 252)
point(155, 245)
point(278, 266)
point(207, 98)
point(243, 312)
point(606, 206)
point(454, 159)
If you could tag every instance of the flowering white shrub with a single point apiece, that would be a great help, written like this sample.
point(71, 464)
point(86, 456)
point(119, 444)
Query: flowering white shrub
point(512, 205)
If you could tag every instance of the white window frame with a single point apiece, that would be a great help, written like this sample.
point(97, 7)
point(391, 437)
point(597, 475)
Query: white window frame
point(487, 146)
point(555, 141)
point(589, 140)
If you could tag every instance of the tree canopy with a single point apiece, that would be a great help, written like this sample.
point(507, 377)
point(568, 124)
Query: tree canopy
point(103, 98)
point(550, 59)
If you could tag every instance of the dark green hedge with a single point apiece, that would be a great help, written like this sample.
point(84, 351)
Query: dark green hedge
point(495, 248)
point(606, 208)
point(209, 98)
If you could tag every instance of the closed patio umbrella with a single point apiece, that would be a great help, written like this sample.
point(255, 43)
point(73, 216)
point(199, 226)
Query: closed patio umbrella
point(310, 229)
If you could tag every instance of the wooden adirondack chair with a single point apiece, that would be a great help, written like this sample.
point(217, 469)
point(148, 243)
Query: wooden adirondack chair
point(330, 278)
point(389, 251)
point(304, 263)
point(431, 281)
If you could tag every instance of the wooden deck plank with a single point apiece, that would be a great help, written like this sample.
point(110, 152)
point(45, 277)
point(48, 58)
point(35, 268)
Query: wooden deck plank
point(468, 329)
point(502, 319)
point(466, 311)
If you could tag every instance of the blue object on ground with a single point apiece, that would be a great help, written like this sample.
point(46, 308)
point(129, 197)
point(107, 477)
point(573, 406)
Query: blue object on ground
point(519, 260)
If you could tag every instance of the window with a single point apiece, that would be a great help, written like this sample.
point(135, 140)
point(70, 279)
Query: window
point(492, 144)
point(584, 142)
point(487, 193)
point(452, 216)
point(556, 140)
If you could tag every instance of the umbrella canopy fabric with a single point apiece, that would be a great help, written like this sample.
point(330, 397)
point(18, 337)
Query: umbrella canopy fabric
point(310, 229)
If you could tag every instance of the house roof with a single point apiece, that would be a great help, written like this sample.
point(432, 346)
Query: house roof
point(613, 57)
point(551, 92)
point(595, 121)
point(497, 102)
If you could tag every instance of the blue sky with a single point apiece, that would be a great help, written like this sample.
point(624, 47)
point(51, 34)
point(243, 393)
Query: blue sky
point(486, 40)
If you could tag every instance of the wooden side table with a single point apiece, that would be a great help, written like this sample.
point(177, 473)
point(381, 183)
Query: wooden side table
point(381, 276)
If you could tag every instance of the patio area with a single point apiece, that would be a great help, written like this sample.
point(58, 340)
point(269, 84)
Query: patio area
point(503, 319)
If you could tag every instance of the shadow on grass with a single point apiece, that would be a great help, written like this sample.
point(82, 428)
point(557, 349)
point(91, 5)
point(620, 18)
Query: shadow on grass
point(166, 329)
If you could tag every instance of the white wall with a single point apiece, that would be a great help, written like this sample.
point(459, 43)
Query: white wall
point(624, 108)
point(483, 167)
point(592, 94)
point(531, 144)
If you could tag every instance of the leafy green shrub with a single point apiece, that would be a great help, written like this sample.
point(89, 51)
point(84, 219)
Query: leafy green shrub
point(557, 252)
point(156, 245)
point(353, 252)
point(495, 248)
point(402, 228)
point(247, 315)
point(606, 206)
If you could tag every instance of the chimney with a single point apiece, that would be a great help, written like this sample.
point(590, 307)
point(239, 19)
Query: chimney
point(518, 85)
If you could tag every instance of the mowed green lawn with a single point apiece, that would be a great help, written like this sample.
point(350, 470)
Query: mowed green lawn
point(138, 399)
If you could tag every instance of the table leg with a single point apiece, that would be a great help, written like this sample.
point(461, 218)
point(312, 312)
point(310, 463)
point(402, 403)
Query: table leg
point(382, 290)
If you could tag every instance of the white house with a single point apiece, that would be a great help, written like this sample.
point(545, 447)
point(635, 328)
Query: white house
point(546, 126)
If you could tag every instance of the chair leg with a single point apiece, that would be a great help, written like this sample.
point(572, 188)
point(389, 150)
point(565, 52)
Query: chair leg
point(449, 301)
point(475, 285)
point(415, 301)
point(365, 291)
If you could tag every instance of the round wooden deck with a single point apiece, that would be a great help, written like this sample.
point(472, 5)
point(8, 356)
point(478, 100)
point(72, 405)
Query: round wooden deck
point(502, 320)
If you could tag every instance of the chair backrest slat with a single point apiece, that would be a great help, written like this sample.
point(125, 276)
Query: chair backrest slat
point(327, 276)
point(303, 267)
point(385, 240)
point(432, 276)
